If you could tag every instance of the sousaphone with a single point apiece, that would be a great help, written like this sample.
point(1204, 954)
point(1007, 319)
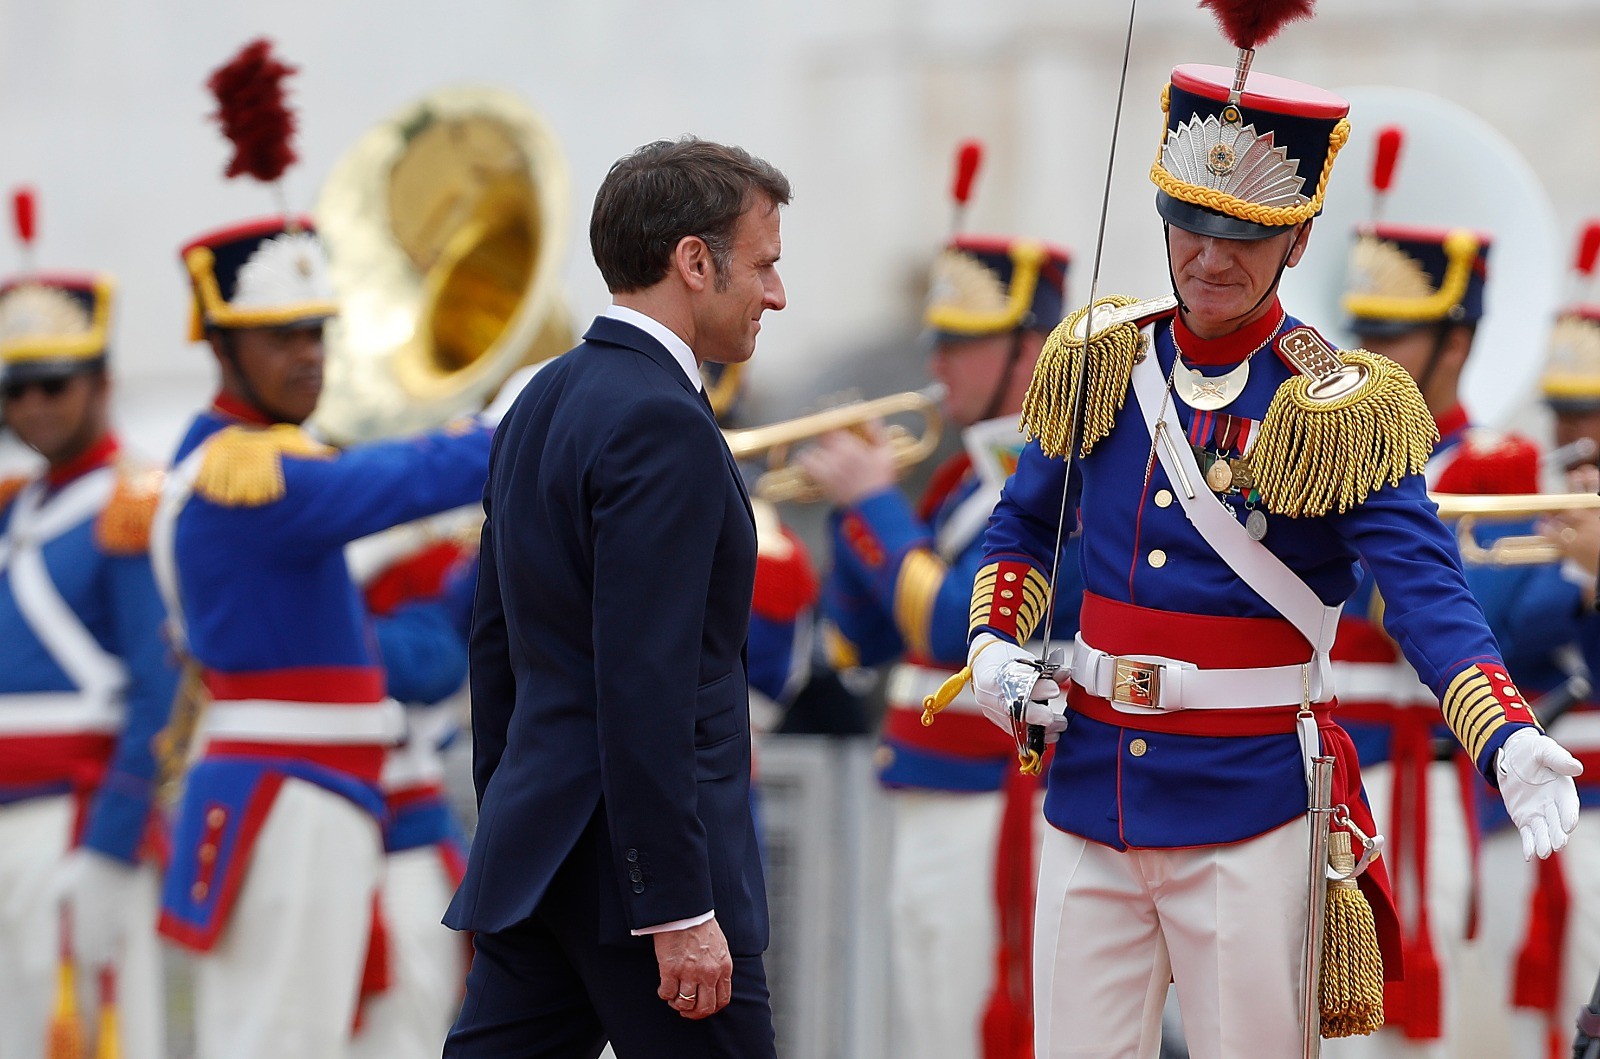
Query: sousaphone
point(445, 228)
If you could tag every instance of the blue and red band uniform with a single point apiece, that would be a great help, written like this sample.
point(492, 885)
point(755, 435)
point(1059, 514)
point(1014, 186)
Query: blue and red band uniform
point(1405, 280)
point(1550, 636)
point(270, 613)
point(1153, 586)
point(902, 577)
point(56, 735)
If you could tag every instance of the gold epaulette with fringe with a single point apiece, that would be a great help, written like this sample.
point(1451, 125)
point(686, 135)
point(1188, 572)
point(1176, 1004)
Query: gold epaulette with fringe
point(1349, 423)
point(243, 466)
point(10, 487)
point(124, 524)
point(1117, 344)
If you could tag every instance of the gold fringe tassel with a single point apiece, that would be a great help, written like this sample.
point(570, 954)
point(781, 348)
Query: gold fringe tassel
point(106, 1047)
point(66, 1032)
point(9, 488)
point(1316, 455)
point(1351, 990)
point(124, 525)
point(1047, 408)
point(243, 466)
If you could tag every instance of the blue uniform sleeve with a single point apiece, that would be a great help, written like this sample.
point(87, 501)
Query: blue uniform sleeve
point(856, 618)
point(329, 502)
point(424, 657)
point(1021, 541)
point(120, 810)
point(772, 655)
point(1431, 614)
point(1532, 610)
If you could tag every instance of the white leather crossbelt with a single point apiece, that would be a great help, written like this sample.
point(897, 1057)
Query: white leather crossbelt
point(1151, 684)
point(330, 723)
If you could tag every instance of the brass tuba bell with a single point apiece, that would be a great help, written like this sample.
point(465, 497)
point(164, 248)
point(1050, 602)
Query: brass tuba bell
point(445, 227)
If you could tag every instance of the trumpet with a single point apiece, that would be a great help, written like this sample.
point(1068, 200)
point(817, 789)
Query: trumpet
point(1468, 509)
point(784, 481)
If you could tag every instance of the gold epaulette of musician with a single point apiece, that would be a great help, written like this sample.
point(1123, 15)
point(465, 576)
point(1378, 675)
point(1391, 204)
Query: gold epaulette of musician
point(1347, 424)
point(9, 488)
point(243, 466)
point(123, 527)
point(1118, 344)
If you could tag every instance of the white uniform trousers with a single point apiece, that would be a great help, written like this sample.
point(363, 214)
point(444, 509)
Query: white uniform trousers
point(284, 976)
point(427, 962)
point(1449, 854)
point(942, 919)
point(34, 839)
point(1508, 888)
point(1226, 923)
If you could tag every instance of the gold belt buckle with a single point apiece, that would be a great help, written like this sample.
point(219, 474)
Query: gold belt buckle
point(1137, 684)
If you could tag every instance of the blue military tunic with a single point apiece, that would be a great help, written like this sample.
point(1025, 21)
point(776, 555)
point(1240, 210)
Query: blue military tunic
point(86, 534)
point(1213, 776)
point(281, 632)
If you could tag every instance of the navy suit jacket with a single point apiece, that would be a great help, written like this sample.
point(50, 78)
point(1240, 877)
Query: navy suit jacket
point(608, 653)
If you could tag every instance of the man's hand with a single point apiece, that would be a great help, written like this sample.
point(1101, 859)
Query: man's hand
point(696, 970)
point(988, 656)
point(98, 891)
point(1577, 533)
point(1535, 775)
point(849, 468)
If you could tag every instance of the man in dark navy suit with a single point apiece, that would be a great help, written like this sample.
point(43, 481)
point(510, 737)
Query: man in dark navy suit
point(614, 884)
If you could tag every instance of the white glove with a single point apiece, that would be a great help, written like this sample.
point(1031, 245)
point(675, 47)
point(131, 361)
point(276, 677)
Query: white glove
point(497, 408)
point(989, 656)
point(98, 891)
point(1535, 775)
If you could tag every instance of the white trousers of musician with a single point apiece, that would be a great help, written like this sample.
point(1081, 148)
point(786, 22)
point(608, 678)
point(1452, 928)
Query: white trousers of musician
point(427, 962)
point(942, 927)
point(1226, 924)
point(284, 977)
point(35, 836)
point(1449, 854)
point(1508, 890)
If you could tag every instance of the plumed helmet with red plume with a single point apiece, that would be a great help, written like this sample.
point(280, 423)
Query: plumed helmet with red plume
point(1246, 157)
point(253, 113)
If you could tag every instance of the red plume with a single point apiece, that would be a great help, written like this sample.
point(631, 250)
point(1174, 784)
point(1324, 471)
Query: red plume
point(1251, 23)
point(1387, 157)
point(969, 156)
point(252, 111)
point(1588, 249)
point(25, 214)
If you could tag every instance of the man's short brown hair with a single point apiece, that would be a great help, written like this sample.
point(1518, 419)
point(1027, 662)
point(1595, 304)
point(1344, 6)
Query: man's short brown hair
point(664, 191)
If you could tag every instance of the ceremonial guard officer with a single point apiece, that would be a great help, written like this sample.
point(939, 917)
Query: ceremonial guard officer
point(278, 846)
point(1228, 468)
point(1416, 296)
point(86, 682)
point(963, 855)
point(1543, 952)
point(421, 605)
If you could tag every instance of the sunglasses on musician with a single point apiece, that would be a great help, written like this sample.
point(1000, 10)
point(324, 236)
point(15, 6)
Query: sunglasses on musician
point(17, 389)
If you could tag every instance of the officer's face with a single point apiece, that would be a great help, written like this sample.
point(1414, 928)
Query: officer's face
point(1222, 280)
point(728, 309)
point(58, 418)
point(284, 366)
point(973, 372)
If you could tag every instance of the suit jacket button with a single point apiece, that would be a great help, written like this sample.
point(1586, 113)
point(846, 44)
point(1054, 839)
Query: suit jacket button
point(633, 856)
point(635, 875)
point(638, 887)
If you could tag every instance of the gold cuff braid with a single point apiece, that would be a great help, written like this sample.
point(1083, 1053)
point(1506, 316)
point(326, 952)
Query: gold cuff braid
point(999, 599)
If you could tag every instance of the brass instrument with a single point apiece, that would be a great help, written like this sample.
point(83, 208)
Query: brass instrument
point(445, 228)
point(785, 481)
point(1468, 509)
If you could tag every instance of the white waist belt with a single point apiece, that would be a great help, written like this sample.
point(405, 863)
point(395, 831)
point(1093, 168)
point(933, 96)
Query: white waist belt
point(278, 721)
point(1394, 683)
point(59, 713)
point(412, 765)
point(1151, 684)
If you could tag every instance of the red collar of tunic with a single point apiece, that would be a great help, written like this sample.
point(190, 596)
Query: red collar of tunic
point(97, 455)
point(1230, 348)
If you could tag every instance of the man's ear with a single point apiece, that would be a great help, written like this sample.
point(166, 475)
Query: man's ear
point(692, 258)
point(1301, 239)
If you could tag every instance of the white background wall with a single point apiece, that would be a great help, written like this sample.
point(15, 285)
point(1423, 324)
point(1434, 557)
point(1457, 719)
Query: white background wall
point(102, 107)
